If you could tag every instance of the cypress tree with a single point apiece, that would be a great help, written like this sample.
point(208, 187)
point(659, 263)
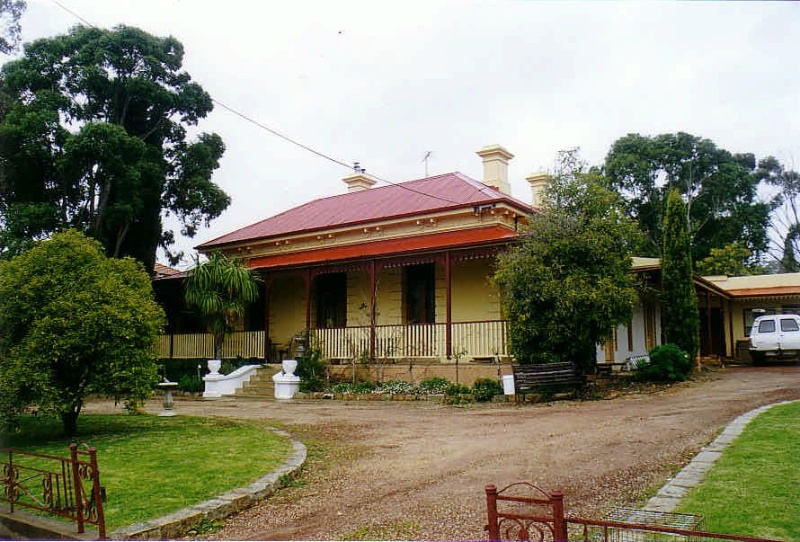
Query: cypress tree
point(679, 309)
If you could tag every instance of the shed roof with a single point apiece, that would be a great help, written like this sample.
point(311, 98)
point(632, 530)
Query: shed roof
point(759, 285)
point(422, 196)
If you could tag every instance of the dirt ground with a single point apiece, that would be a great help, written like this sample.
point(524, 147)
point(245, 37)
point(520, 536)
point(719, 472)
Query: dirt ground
point(418, 470)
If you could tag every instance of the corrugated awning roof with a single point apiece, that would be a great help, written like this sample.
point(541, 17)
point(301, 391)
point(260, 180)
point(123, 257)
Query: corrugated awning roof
point(388, 247)
point(432, 194)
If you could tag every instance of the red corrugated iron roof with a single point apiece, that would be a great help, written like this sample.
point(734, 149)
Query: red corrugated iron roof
point(442, 192)
point(388, 247)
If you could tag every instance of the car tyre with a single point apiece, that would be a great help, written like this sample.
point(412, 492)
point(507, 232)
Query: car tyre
point(758, 358)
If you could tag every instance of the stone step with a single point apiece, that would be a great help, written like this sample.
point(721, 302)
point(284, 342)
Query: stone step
point(260, 386)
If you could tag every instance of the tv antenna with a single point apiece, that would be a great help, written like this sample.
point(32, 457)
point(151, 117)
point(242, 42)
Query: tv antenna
point(425, 159)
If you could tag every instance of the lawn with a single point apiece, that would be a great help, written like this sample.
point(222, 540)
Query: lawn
point(754, 488)
point(152, 466)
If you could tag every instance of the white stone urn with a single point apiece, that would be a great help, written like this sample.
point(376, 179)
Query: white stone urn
point(214, 365)
point(289, 366)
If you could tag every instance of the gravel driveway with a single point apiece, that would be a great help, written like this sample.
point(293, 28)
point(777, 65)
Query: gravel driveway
point(417, 470)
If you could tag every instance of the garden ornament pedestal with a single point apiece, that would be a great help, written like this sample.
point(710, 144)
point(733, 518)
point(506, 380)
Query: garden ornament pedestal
point(169, 403)
point(286, 382)
point(214, 365)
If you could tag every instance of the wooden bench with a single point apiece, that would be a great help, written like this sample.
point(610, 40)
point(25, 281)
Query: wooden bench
point(532, 378)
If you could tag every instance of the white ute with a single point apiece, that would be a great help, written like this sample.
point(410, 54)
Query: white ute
point(775, 336)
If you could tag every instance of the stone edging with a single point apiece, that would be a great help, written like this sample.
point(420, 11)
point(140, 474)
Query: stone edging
point(670, 495)
point(176, 524)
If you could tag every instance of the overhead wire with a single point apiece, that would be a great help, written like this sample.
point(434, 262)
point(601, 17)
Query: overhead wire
point(287, 138)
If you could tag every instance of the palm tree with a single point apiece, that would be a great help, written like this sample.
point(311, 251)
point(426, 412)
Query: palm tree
point(220, 289)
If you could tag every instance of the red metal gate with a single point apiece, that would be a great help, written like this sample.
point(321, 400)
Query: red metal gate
point(527, 512)
point(56, 485)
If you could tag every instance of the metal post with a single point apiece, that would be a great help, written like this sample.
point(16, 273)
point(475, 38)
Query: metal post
point(97, 493)
point(559, 523)
point(373, 301)
point(491, 508)
point(77, 486)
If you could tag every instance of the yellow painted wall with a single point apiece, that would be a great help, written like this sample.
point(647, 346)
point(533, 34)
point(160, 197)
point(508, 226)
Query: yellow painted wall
point(287, 308)
point(474, 297)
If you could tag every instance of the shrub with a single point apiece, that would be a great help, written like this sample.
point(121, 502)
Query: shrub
point(310, 366)
point(311, 384)
point(485, 388)
point(363, 387)
point(434, 385)
point(668, 363)
point(456, 389)
point(399, 387)
point(190, 382)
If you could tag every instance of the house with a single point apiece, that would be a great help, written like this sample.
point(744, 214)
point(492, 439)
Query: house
point(398, 273)
point(400, 276)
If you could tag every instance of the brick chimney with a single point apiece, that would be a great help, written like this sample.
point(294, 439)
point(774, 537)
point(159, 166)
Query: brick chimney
point(538, 182)
point(495, 167)
point(358, 181)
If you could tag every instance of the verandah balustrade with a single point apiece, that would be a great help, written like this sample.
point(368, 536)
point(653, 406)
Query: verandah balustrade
point(482, 339)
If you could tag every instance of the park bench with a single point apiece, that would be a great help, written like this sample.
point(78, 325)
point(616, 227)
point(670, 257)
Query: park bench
point(535, 378)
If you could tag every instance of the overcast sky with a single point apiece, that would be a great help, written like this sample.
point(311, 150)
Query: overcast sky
point(385, 82)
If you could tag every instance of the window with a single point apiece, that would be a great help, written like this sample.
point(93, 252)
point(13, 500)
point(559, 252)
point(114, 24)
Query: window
point(766, 326)
point(420, 294)
point(331, 298)
point(789, 324)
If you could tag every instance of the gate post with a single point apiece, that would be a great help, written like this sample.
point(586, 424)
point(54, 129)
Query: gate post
point(97, 494)
point(491, 507)
point(559, 523)
point(77, 485)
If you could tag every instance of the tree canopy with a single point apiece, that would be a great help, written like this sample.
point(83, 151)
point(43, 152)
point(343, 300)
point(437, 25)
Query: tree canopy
point(220, 289)
point(10, 13)
point(94, 137)
point(785, 224)
point(568, 283)
point(720, 190)
point(679, 314)
point(74, 322)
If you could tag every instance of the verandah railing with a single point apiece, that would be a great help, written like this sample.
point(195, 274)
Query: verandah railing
point(473, 339)
point(480, 339)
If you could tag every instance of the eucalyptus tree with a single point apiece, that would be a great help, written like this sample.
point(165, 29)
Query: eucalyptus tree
point(720, 190)
point(94, 137)
point(221, 289)
point(10, 13)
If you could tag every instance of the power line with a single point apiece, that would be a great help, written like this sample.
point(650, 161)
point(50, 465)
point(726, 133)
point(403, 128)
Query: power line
point(287, 138)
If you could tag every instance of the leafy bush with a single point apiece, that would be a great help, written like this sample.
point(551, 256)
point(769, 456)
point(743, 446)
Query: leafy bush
point(363, 387)
point(311, 384)
point(399, 387)
point(457, 389)
point(342, 387)
point(190, 382)
point(668, 363)
point(310, 366)
point(485, 388)
point(434, 385)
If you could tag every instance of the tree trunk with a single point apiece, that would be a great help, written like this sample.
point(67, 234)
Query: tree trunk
point(69, 421)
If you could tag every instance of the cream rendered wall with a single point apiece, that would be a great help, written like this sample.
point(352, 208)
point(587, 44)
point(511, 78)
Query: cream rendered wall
point(473, 296)
point(621, 352)
point(287, 308)
point(389, 297)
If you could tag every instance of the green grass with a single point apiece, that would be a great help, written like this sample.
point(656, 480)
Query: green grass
point(151, 466)
point(754, 488)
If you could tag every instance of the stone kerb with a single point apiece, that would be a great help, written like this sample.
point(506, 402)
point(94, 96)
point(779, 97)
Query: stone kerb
point(669, 496)
point(176, 524)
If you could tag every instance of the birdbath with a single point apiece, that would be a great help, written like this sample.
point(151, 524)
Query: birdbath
point(169, 404)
